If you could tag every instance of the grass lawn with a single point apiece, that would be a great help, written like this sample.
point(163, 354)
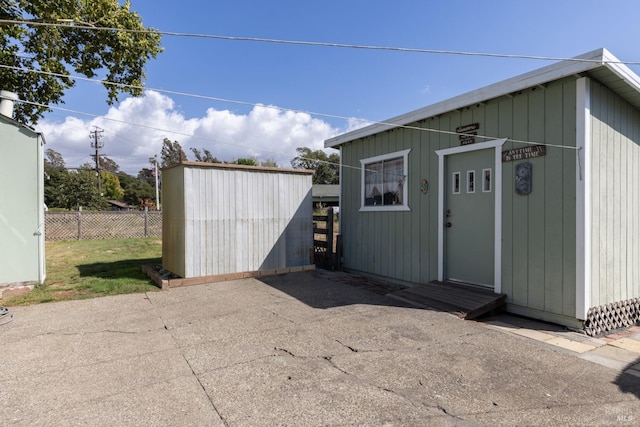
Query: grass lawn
point(82, 269)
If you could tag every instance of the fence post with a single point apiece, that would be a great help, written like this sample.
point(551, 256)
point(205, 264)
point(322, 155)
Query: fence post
point(330, 233)
point(338, 264)
point(146, 221)
point(79, 222)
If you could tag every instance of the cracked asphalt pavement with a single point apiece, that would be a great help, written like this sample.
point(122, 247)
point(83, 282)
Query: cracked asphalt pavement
point(296, 349)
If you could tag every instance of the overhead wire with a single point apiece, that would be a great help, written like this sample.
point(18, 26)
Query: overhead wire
point(67, 23)
point(175, 132)
point(367, 122)
point(76, 25)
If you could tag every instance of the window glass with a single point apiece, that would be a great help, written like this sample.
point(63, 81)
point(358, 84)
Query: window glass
point(384, 182)
point(455, 183)
point(486, 180)
point(471, 181)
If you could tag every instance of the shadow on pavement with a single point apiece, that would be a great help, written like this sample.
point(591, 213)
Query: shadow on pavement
point(339, 290)
point(629, 383)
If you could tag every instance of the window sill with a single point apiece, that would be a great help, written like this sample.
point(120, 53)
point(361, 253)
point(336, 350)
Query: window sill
point(389, 208)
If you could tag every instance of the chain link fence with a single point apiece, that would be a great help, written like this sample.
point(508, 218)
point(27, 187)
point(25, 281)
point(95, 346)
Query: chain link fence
point(92, 225)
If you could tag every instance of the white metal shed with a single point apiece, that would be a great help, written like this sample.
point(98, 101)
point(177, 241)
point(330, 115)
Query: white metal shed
point(221, 219)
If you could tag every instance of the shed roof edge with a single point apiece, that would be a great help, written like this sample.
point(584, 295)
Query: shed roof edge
point(243, 167)
point(595, 59)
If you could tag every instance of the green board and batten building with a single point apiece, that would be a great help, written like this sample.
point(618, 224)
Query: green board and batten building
point(529, 187)
point(22, 260)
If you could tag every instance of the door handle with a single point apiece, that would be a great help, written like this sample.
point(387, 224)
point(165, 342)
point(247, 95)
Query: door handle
point(448, 225)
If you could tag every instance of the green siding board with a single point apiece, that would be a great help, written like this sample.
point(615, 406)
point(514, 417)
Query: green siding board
point(554, 245)
point(616, 130)
point(362, 221)
point(613, 287)
point(436, 141)
point(355, 234)
point(390, 231)
point(415, 201)
point(568, 186)
point(620, 195)
point(479, 116)
point(505, 129)
point(411, 224)
point(631, 260)
point(598, 191)
point(520, 205)
point(635, 208)
point(609, 206)
point(430, 222)
point(491, 120)
point(627, 225)
point(536, 205)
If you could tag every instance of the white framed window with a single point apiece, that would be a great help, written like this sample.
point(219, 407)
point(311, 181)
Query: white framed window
point(486, 180)
point(384, 180)
point(471, 181)
point(455, 183)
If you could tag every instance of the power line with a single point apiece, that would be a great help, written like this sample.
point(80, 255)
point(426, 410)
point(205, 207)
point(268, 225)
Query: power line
point(280, 153)
point(186, 94)
point(312, 113)
point(66, 23)
point(266, 150)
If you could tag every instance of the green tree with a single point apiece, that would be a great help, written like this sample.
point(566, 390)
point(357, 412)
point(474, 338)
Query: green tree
point(204, 156)
point(109, 165)
point(147, 175)
point(105, 163)
point(245, 161)
point(111, 189)
point(136, 190)
point(171, 154)
point(80, 189)
point(53, 159)
point(51, 39)
point(55, 173)
point(327, 167)
point(269, 163)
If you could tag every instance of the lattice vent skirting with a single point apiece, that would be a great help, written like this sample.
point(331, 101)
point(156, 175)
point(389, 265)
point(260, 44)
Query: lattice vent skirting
point(612, 316)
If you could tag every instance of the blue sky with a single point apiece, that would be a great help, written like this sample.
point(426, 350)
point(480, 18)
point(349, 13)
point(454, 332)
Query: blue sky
point(356, 83)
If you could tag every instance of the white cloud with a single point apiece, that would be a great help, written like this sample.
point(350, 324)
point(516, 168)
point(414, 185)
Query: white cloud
point(355, 124)
point(135, 129)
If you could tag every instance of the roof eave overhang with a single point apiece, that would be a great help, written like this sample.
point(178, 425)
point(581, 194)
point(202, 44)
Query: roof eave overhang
point(575, 66)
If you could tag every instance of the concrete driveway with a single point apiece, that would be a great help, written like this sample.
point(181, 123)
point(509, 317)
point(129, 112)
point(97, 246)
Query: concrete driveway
point(297, 349)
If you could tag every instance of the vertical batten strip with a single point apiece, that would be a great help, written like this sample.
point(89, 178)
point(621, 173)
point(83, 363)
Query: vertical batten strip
point(583, 197)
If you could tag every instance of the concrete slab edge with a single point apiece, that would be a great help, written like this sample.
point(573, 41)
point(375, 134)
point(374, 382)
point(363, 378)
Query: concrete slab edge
point(164, 282)
point(12, 291)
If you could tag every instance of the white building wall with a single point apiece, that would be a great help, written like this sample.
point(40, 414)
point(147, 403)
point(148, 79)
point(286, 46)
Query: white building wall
point(242, 219)
point(21, 206)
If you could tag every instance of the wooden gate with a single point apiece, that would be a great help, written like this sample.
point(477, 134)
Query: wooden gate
point(326, 242)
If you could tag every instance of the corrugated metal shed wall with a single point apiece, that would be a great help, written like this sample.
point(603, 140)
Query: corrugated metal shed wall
point(173, 214)
point(238, 219)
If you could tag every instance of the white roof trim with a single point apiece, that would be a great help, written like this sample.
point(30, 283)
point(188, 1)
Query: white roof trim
point(552, 72)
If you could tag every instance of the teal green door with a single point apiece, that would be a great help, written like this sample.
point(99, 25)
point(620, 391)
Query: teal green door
point(469, 217)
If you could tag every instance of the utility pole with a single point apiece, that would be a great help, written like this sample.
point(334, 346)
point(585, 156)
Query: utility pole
point(96, 144)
